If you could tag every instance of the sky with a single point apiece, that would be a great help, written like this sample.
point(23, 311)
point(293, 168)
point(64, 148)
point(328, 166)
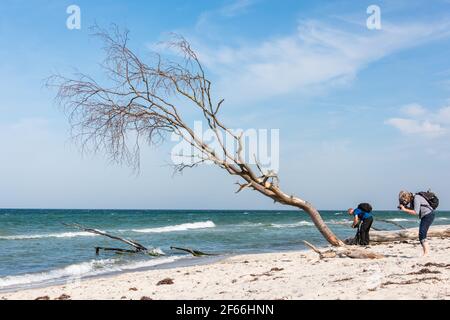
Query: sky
point(362, 113)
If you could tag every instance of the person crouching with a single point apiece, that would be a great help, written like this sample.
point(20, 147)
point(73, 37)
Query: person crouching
point(362, 219)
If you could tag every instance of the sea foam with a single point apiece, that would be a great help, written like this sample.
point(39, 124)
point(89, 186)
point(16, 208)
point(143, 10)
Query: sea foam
point(48, 235)
point(179, 227)
point(77, 271)
point(293, 225)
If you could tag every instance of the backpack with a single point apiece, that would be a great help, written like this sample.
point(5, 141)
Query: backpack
point(366, 207)
point(431, 198)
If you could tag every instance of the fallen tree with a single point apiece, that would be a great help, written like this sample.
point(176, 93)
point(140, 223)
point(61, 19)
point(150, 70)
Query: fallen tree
point(195, 253)
point(442, 231)
point(138, 248)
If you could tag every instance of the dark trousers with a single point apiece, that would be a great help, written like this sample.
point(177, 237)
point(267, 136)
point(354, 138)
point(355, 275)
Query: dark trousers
point(425, 224)
point(364, 229)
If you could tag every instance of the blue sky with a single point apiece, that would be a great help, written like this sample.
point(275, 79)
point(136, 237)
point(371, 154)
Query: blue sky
point(362, 113)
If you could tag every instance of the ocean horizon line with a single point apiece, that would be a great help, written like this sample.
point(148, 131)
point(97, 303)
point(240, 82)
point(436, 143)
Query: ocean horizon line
point(190, 209)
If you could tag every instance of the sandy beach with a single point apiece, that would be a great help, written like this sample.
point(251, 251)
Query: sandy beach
point(403, 274)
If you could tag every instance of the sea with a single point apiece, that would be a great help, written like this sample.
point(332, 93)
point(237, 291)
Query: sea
point(38, 248)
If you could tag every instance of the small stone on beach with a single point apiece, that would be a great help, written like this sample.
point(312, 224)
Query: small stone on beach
point(165, 281)
point(276, 269)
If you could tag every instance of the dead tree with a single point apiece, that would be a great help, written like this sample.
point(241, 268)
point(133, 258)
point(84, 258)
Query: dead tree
point(138, 248)
point(148, 100)
point(195, 253)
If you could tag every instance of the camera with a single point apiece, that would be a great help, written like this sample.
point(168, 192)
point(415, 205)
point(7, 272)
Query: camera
point(402, 203)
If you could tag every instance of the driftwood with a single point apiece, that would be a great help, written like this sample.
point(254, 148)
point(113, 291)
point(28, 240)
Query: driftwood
point(195, 253)
point(407, 234)
point(322, 254)
point(138, 248)
point(116, 250)
point(132, 243)
point(390, 222)
point(344, 252)
point(348, 224)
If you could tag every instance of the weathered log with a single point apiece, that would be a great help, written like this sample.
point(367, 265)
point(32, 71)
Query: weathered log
point(357, 253)
point(139, 248)
point(345, 252)
point(322, 254)
point(134, 244)
point(195, 253)
point(442, 231)
point(391, 222)
point(117, 250)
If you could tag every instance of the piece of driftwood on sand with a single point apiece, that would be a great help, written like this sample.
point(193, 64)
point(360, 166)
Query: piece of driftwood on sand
point(439, 231)
point(442, 231)
point(344, 252)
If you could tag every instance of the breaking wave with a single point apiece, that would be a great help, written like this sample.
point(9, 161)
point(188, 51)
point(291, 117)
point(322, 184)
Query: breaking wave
point(80, 270)
point(293, 225)
point(48, 235)
point(179, 227)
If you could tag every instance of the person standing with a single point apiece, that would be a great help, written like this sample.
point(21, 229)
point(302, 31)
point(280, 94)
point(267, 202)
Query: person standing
point(423, 205)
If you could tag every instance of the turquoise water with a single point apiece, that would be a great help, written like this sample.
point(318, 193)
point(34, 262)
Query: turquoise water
point(36, 248)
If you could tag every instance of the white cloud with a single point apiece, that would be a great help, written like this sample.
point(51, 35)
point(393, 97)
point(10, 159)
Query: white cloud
point(417, 127)
point(316, 56)
point(414, 110)
point(207, 20)
point(236, 7)
point(443, 115)
point(421, 121)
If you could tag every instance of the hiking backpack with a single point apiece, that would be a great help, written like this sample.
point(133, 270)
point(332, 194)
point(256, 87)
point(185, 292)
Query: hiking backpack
point(366, 207)
point(431, 198)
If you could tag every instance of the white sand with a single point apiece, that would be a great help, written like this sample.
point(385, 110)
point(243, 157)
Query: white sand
point(299, 275)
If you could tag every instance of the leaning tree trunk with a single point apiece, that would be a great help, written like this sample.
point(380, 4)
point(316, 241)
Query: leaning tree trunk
point(274, 192)
point(322, 227)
